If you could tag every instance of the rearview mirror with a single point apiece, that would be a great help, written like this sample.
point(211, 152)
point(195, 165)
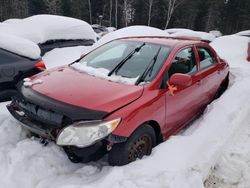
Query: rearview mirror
point(179, 79)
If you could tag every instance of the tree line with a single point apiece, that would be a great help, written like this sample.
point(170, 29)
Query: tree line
point(228, 16)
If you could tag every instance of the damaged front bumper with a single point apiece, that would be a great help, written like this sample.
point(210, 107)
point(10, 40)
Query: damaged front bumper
point(52, 131)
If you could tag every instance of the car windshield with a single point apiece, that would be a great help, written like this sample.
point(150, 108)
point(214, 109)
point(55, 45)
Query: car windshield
point(124, 61)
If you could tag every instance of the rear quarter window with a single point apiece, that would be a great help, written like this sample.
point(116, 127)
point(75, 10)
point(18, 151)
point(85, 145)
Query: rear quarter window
point(206, 57)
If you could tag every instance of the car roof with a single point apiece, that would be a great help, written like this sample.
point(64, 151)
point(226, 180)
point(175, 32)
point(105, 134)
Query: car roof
point(166, 41)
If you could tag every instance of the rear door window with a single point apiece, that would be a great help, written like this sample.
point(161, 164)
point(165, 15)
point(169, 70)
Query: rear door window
point(206, 57)
point(184, 62)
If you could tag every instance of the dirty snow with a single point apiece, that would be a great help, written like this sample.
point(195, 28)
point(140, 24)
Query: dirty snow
point(42, 28)
point(19, 46)
point(184, 161)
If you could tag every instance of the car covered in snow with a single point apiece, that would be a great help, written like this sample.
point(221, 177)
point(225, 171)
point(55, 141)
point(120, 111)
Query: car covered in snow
point(51, 31)
point(123, 98)
point(20, 58)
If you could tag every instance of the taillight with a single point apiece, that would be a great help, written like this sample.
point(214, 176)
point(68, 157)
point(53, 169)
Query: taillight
point(248, 52)
point(40, 65)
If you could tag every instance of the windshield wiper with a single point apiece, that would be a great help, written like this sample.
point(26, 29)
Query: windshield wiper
point(149, 68)
point(117, 67)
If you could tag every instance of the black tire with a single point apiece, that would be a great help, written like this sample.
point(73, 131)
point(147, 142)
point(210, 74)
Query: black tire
point(140, 143)
point(223, 87)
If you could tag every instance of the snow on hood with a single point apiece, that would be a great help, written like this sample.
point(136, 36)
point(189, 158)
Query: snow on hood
point(82, 90)
point(42, 28)
point(197, 34)
point(131, 31)
point(19, 46)
point(233, 48)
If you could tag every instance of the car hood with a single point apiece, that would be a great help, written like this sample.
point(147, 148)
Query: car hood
point(70, 87)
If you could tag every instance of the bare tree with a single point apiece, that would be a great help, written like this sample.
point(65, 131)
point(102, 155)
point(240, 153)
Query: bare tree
point(116, 9)
point(171, 6)
point(110, 13)
point(150, 5)
point(90, 12)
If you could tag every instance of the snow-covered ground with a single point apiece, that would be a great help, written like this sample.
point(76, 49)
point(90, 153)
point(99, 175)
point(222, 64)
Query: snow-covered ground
point(214, 149)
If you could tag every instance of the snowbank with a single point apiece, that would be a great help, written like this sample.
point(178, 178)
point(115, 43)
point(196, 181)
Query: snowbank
point(42, 28)
point(197, 34)
point(233, 48)
point(19, 46)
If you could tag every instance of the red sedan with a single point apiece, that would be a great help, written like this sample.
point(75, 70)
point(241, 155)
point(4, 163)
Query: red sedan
point(122, 98)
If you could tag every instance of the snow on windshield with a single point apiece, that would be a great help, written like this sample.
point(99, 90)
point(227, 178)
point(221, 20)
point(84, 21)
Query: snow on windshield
point(42, 28)
point(103, 73)
point(19, 46)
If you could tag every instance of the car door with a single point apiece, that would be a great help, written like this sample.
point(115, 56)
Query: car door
point(183, 105)
point(209, 71)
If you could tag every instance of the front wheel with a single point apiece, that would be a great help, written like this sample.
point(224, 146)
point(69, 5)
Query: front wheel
point(139, 144)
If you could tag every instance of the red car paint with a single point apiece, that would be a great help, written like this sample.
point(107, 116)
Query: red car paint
point(139, 104)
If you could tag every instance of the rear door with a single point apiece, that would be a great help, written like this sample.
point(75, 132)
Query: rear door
point(209, 71)
point(183, 105)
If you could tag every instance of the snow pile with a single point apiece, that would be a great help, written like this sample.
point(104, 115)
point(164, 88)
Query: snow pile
point(111, 29)
point(63, 56)
point(42, 28)
point(196, 34)
point(216, 33)
point(103, 73)
point(233, 48)
point(175, 30)
point(244, 33)
point(131, 31)
point(19, 46)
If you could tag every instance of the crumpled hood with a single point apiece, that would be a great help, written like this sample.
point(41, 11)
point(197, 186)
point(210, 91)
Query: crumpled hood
point(77, 89)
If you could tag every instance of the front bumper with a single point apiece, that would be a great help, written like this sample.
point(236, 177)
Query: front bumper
point(86, 154)
point(29, 124)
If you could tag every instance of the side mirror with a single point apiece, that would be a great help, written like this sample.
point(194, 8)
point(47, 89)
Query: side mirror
point(179, 79)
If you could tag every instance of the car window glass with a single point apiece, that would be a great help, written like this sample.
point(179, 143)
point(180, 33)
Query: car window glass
point(112, 53)
point(206, 59)
point(184, 62)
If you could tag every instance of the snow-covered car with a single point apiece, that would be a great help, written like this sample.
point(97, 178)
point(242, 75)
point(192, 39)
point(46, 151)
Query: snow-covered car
point(20, 58)
point(51, 31)
point(122, 98)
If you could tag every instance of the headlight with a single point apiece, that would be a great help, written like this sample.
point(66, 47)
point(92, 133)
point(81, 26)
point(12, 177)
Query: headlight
point(83, 134)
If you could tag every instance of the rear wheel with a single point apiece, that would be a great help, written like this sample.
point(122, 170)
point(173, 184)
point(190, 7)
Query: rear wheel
point(138, 145)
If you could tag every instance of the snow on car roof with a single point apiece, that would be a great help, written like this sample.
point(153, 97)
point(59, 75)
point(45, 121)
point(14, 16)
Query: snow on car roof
point(42, 28)
point(131, 31)
point(175, 30)
point(244, 33)
point(19, 46)
point(199, 34)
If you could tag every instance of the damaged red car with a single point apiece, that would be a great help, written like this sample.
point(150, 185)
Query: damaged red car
point(123, 98)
